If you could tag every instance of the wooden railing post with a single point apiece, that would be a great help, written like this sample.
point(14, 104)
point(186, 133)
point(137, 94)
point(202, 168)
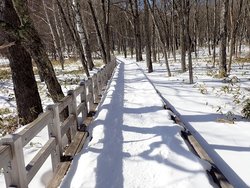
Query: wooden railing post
point(90, 93)
point(109, 69)
point(95, 88)
point(106, 75)
point(16, 170)
point(84, 101)
point(73, 111)
point(99, 83)
point(55, 131)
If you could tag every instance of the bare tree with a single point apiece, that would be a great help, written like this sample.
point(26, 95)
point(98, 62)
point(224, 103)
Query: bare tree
point(30, 39)
point(187, 7)
point(179, 6)
point(98, 32)
point(137, 33)
point(208, 28)
point(25, 88)
point(161, 40)
point(75, 36)
point(147, 37)
point(223, 38)
point(106, 18)
point(82, 33)
point(233, 33)
point(54, 33)
point(214, 32)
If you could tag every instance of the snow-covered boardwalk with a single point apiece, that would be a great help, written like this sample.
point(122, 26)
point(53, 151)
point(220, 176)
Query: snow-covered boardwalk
point(227, 144)
point(134, 144)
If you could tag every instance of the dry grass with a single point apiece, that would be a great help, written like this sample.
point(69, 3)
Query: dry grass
point(75, 72)
point(243, 60)
point(69, 61)
point(98, 62)
point(5, 74)
point(8, 125)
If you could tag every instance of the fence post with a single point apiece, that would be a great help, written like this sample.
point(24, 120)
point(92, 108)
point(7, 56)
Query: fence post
point(16, 170)
point(90, 93)
point(55, 131)
point(84, 101)
point(105, 76)
point(73, 110)
point(95, 88)
point(99, 83)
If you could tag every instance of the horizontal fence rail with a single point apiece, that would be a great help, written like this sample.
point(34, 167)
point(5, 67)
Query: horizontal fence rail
point(61, 120)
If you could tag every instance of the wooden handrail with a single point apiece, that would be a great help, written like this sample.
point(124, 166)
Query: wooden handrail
point(18, 174)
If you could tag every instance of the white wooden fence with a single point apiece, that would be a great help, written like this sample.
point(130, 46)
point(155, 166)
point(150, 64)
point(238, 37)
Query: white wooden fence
point(16, 173)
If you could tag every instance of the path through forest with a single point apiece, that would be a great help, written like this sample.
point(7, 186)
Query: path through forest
point(134, 141)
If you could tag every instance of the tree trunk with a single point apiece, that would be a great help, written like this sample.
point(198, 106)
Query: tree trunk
point(189, 42)
point(65, 47)
point(106, 12)
point(182, 38)
point(208, 26)
point(147, 37)
point(25, 88)
point(82, 33)
point(75, 36)
point(27, 97)
point(214, 33)
point(31, 40)
point(138, 30)
point(55, 36)
point(173, 32)
point(136, 27)
point(153, 37)
point(160, 38)
point(98, 32)
point(233, 34)
point(196, 22)
point(223, 38)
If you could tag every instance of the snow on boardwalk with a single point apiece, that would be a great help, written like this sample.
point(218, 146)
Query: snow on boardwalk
point(227, 144)
point(135, 144)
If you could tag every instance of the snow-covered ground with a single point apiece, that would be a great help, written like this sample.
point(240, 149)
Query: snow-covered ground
point(211, 110)
point(135, 144)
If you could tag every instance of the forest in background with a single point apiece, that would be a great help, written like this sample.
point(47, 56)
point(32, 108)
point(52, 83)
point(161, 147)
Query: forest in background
point(33, 33)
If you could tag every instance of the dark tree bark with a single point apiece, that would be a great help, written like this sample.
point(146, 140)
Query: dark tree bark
point(26, 93)
point(208, 26)
point(196, 23)
point(153, 36)
point(173, 31)
point(179, 6)
point(27, 97)
point(98, 32)
point(223, 38)
point(147, 37)
point(161, 40)
point(233, 34)
point(188, 40)
point(106, 12)
point(136, 25)
point(214, 32)
point(26, 33)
